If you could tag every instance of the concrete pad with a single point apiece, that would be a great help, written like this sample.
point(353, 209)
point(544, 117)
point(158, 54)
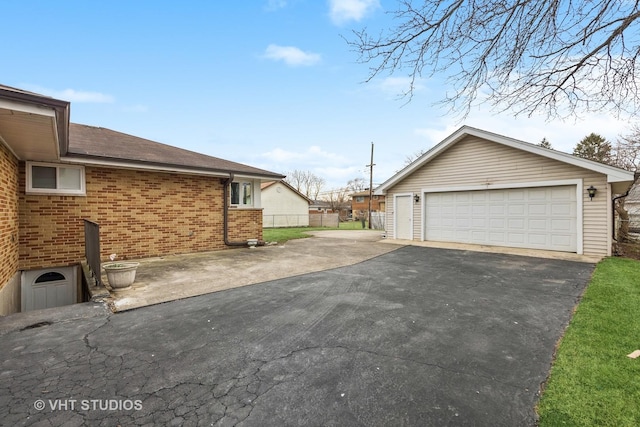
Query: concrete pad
point(536, 253)
point(175, 277)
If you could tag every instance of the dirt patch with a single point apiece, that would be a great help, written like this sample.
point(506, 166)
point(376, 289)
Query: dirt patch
point(628, 250)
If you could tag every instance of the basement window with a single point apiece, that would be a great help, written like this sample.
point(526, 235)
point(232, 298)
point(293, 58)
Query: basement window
point(242, 194)
point(48, 178)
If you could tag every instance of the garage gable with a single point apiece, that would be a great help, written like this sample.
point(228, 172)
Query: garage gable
point(470, 151)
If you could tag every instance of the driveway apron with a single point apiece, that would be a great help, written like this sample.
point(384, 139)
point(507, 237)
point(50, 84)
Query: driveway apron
point(417, 337)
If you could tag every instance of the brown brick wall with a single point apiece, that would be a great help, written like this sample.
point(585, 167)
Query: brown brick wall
point(8, 215)
point(245, 224)
point(364, 206)
point(140, 213)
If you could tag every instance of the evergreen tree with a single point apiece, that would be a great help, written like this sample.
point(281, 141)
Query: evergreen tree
point(545, 143)
point(594, 147)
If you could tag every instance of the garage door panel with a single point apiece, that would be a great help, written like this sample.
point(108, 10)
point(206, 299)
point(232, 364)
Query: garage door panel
point(538, 209)
point(538, 224)
point(541, 218)
point(538, 239)
point(561, 225)
point(516, 223)
point(515, 239)
point(562, 209)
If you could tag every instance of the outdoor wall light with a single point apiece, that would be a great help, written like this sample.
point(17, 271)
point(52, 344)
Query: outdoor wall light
point(592, 192)
point(416, 198)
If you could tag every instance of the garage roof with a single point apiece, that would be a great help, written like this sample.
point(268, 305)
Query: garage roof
point(614, 174)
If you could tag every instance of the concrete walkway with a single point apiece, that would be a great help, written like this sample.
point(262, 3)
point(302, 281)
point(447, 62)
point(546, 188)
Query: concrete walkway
point(176, 277)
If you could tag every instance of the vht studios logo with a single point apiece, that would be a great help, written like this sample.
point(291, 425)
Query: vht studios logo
point(88, 405)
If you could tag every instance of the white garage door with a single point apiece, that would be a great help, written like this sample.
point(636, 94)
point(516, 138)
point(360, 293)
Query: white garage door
point(537, 218)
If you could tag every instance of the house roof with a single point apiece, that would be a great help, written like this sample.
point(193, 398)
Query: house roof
point(271, 183)
point(362, 193)
point(614, 175)
point(97, 145)
point(33, 126)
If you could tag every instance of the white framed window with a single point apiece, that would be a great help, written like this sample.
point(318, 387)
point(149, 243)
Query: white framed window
point(53, 178)
point(242, 193)
point(359, 199)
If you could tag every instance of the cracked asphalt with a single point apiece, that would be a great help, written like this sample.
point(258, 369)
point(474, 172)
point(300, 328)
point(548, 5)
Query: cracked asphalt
point(418, 336)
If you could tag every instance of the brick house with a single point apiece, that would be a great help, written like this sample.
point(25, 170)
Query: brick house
point(149, 199)
point(360, 203)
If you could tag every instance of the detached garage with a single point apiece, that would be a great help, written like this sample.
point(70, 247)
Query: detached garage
point(478, 187)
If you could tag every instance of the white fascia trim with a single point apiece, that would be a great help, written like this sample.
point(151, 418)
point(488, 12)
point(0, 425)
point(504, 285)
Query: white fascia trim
point(155, 168)
point(579, 199)
point(395, 210)
point(27, 108)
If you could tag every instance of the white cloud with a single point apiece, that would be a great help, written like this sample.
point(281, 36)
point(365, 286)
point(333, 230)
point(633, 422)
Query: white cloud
point(72, 95)
point(342, 11)
point(562, 135)
point(291, 55)
point(336, 169)
point(275, 4)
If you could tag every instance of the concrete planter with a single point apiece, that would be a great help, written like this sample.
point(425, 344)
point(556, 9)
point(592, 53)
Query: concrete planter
point(121, 275)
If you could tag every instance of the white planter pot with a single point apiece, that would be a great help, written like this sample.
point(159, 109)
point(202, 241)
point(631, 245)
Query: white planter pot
point(121, 275)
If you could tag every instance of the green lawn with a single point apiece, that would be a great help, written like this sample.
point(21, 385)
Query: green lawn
point(281, 235)
point(593, 382)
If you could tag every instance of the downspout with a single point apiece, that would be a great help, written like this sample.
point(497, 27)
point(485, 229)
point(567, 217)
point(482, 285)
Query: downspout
point(636, 175)
point(225, 183)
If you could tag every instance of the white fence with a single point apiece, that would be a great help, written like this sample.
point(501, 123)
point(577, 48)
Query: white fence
point(280, 221)
point(324, 220)
point(377, 220)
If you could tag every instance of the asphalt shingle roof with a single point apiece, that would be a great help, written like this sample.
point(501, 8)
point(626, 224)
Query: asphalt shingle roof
point(106, 144)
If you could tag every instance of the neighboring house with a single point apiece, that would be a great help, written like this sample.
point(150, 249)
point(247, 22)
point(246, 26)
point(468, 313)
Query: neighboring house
point(481, 188)
point(632, 205)
point(149, 199)
point(283, 205)
point(320, 207)
point(360, 203)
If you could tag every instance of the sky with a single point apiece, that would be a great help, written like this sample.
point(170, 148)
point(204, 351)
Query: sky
point(268, 83)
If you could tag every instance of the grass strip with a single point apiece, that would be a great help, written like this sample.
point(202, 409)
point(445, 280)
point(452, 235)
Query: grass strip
point(592, 381)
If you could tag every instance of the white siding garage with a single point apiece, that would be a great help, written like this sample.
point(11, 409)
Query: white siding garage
point(536, 218)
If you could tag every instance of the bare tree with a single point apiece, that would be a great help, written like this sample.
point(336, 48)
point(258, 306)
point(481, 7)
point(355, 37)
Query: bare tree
point(626, 155)
point(412, 157)
point(316, 186)
point(306, 182)
point(356, 184)
point(338, 200)
point(558, 57)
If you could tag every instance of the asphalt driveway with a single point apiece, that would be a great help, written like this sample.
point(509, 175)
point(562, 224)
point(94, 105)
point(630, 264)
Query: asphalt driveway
point(417, 336)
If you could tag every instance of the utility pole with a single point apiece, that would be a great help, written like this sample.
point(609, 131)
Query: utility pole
point(370, 166)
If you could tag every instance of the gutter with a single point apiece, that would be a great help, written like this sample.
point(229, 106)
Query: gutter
point(225, 183)
point(636, 175)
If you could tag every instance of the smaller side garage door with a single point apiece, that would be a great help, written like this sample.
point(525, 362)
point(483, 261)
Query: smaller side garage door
point(537, 218)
